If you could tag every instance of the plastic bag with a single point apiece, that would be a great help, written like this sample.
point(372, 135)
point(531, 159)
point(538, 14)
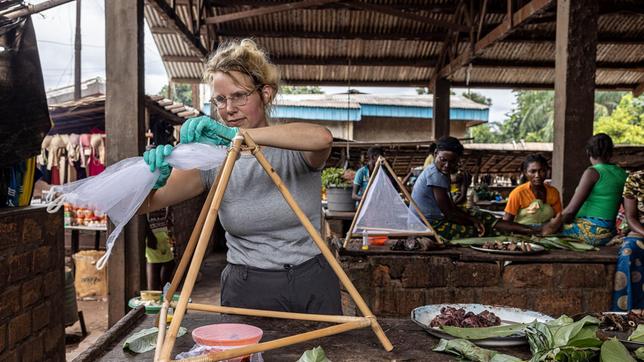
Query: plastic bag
point(120, 190)
point(198, 350)
point(384, 211)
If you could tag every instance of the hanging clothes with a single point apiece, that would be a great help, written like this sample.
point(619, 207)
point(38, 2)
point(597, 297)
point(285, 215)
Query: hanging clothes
point(96, 163)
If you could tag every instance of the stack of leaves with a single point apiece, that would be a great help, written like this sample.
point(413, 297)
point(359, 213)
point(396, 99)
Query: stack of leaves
point(564, 340)
point(559, 340)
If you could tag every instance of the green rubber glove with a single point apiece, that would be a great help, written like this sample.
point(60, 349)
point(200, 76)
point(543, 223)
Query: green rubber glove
point(206, 130)
point(155, 158)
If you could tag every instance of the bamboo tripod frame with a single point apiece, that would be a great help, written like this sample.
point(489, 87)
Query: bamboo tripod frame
point(193, 258)
point(380, 163)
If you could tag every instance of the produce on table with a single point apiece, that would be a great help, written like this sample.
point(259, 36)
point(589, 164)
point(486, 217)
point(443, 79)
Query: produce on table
point(507, 245)
point(457, 317)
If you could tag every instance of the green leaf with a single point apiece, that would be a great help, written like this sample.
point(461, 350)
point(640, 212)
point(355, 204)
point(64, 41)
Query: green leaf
point(314, 355)
point(466, 349)
point(639, 353)
point(145, 340)
point(563, 340)
point(638, 334)
point(484, 332)
point(613, 350)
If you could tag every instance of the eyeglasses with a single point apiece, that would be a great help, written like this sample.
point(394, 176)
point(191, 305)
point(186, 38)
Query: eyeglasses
point(236, 100)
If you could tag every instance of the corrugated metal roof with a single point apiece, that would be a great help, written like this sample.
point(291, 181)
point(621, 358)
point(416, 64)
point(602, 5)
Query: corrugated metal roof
point(317, 44)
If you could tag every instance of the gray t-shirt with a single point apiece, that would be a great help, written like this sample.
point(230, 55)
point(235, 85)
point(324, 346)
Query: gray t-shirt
point(423, 193)
point(261, 229)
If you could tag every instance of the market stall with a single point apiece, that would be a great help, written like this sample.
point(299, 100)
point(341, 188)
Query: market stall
point(411, 342)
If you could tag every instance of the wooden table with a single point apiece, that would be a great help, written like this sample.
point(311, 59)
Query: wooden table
point(336, 223)
point(76, 236)
point(411, 343)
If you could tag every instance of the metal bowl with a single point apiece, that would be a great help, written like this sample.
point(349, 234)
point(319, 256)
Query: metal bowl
point(424, 315)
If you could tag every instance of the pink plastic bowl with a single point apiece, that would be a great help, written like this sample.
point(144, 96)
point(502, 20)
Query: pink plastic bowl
point(227, 334)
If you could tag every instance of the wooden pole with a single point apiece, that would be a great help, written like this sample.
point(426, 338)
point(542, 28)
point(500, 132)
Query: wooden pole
point(274, 314)
point(282, 342)
point(315, 235)
point(163, 316)
point(192, 243)
point(200, 251)
point(357, 214)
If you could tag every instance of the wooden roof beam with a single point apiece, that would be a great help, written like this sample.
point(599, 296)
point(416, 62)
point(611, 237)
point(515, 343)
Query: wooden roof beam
point(455, 84)
point(517, 37)
point(265, 10)
point(174, 21)
point(388, 10)
point(518, 18)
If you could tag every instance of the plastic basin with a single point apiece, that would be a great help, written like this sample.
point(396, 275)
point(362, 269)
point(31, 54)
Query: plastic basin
point(227, 335)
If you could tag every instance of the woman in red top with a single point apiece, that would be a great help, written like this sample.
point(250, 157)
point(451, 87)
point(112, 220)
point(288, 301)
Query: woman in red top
point(534, 202)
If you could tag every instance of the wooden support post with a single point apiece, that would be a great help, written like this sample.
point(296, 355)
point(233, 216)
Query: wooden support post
point(124, 125)
point(196, 99)
point(440, 108)
point(574, 91)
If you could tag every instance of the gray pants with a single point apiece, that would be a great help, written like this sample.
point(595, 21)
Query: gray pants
point(310, 287)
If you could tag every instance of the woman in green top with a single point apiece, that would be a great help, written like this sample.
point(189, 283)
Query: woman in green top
point(590, 215)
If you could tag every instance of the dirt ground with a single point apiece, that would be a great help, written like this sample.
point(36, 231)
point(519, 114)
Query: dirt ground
point(95, 311)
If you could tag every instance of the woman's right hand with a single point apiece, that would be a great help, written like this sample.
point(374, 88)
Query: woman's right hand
point(479, 226)
point(155, 158)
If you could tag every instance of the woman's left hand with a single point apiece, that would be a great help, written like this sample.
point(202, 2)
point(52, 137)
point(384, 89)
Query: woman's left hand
point(206, 130)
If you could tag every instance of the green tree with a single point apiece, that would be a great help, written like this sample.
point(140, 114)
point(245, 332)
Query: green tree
point(289, 89)
point(478, 98)
point(626, 123)
point(422, 90)
point(182, 93)
point(485, 133)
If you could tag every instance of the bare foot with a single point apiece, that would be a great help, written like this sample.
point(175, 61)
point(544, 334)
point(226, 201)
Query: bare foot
point(553, 225)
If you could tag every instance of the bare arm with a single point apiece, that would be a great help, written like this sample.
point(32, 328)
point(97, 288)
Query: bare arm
point(182, 185)
point(451, 212)
point(313, 139)
point(354, 193)
point(508, 217)
point(588, 179)
point(630, 210)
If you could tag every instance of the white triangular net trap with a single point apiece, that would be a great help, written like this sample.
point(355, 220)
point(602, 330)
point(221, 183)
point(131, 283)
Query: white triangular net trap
point(384, 211)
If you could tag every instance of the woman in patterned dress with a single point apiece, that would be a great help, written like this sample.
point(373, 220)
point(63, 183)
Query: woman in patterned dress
point(628, 292)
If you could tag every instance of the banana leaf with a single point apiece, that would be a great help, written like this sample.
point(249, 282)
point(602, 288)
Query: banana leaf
point(314, 355)
point(563, 339)
point(638, 334)
point(484, 332)
point(466, 349)
point(614, 350)
point(145, 340)
point(639, 353)
point(478, 241)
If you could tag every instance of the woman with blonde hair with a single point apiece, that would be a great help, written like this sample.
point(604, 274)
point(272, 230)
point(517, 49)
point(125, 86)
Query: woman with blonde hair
point(273, 264)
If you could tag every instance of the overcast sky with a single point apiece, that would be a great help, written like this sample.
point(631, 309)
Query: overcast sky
point(55, 33)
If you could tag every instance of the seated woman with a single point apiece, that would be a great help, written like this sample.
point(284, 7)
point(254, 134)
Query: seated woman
point(628, 292)
point(431, 194)
point(361, 179)
point(533, 203)
point(590, 215)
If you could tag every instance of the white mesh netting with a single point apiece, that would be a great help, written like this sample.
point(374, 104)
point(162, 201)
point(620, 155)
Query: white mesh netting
point(120, 190)
point(384, 211)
